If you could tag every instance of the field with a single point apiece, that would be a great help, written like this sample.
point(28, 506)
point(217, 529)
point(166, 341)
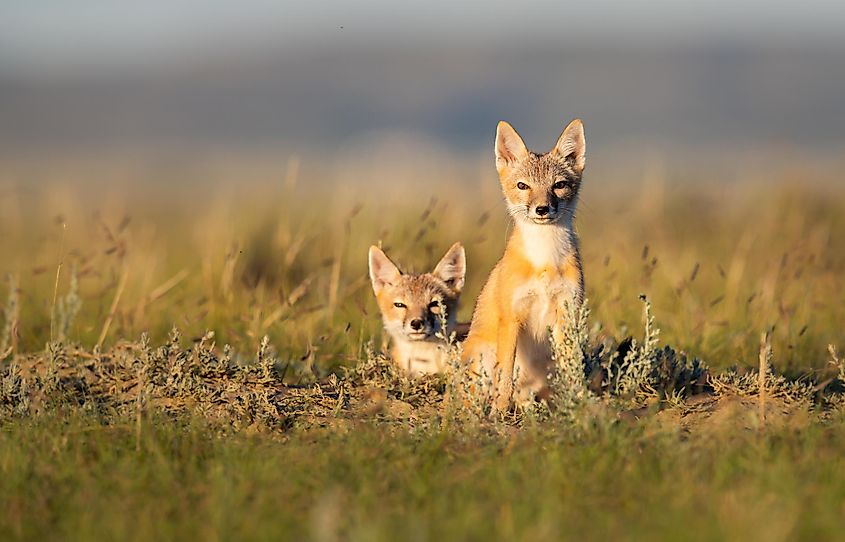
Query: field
point(190, 348)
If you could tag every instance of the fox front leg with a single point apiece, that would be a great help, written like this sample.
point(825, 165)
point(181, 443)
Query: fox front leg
point(505, 360)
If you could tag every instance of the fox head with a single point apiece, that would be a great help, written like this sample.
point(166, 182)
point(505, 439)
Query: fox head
point(415, 306)
point(540, 188)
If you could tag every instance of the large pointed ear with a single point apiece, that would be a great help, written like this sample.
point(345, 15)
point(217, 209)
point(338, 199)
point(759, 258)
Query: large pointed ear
point(571, 145)
point(382, 270)
point(452, 268)
point(510, 149)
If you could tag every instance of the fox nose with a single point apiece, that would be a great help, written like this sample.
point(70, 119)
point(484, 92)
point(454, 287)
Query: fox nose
point(542, 210)
point(416, 324)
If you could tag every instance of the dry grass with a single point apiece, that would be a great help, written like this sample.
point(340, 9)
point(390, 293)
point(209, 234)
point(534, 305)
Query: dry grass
point(248, 252)
point(262, 268)
point(279, 260)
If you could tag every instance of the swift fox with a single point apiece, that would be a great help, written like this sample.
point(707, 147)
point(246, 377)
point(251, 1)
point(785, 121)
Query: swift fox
point(414, 307)
point(540, 272)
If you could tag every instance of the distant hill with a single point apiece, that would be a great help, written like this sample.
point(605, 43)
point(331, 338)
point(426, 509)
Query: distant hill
point(302, 99)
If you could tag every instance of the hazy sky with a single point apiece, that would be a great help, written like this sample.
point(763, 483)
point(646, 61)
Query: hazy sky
point(37, 33)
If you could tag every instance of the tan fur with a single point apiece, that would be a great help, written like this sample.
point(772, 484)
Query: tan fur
point(413, 306)
point(540, 271)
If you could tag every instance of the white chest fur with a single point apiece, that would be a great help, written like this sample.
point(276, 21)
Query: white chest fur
point(542, 301)
point(547, 245)
point(420, 357)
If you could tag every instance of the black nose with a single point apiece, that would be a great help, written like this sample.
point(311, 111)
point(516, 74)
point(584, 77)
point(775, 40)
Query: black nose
point(416, 324)
point(542, 210)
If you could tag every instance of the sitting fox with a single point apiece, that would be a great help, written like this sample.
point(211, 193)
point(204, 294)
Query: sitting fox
point(414, 308)
point(539, 275)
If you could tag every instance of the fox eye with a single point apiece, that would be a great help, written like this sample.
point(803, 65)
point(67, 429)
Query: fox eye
point(400, 305)
point(434, 307)
point(560, 185)
point(522, 186)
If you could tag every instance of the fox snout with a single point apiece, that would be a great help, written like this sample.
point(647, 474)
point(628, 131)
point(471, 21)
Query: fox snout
point(420, 326)
point(544, 208)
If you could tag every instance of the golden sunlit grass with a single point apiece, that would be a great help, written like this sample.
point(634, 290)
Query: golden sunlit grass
point(113, 425)
point(254, 252)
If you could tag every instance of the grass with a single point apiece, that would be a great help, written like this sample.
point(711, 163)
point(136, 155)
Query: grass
point(113, 426)
point(723, 261)
point(375, 483)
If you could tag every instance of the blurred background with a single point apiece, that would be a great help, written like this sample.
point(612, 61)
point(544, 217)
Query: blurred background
point(191, 151)
point(331, 77)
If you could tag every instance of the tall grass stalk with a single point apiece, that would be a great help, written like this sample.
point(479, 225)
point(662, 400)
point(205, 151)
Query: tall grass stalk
point(61, 262)
point(8, 338)
point(124, 276)
point(765, 359)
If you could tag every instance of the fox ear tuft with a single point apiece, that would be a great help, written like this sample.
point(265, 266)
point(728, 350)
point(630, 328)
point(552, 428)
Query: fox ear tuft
point(452, 268)
point(382, 270)
point(571, 145)
point(510, 148)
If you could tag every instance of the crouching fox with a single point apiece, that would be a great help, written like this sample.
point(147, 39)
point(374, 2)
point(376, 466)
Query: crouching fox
point(415, 309)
